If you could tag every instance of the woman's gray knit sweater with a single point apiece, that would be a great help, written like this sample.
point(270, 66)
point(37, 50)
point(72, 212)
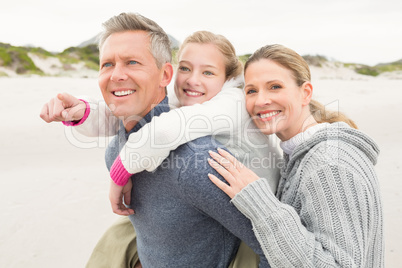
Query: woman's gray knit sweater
point(328, 210)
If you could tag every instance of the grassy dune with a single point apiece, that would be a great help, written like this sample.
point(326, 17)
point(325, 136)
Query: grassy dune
point(18, 60)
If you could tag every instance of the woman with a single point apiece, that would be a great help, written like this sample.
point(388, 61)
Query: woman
point(327, 211)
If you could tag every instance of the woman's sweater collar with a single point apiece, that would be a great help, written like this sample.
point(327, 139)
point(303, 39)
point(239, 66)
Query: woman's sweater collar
point(289, 145)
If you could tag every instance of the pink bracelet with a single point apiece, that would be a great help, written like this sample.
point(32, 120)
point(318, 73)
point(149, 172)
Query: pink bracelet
point(86, 114)
point(118, 173)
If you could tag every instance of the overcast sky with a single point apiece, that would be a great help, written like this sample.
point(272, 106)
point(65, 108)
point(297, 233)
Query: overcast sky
point(361, 31)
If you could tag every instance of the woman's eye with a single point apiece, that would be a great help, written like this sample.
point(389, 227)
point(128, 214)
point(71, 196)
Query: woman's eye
point(276, 87)
point(132, 62)
point(184, 69)
point(208, 73)
point(251, 91)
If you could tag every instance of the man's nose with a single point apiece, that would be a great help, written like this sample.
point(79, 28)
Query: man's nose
point(119, 73)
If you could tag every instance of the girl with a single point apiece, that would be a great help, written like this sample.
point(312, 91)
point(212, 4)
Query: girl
point(327, 211)
point(208, 91)
point(208, 73)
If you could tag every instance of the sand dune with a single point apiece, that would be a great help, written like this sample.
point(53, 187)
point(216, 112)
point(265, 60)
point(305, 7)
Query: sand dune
point(54, 204)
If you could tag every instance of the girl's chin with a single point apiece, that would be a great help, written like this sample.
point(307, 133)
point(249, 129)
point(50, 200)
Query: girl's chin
point(189, 102)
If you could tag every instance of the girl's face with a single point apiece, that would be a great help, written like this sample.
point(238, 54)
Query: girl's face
point(200, 75)
point(274, 100)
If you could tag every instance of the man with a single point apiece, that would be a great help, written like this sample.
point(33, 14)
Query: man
point(181, 218)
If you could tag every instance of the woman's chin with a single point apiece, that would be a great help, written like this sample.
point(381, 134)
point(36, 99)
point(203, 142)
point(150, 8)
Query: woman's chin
point(267, 131)
point(265, 128)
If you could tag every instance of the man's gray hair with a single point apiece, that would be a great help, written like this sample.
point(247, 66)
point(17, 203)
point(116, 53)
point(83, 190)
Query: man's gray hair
point(160, 43)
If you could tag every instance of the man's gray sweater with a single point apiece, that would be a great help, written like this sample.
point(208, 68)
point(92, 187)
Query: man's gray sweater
point(181, 218)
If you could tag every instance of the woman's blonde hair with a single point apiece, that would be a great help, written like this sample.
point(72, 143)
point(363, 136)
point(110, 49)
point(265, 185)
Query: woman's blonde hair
point(233, 67)
point(292, 61)
point(321, 115)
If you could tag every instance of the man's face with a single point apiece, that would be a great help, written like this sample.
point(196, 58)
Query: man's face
point(129, 79)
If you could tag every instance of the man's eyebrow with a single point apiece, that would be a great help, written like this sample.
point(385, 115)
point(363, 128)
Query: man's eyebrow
point(131, 56)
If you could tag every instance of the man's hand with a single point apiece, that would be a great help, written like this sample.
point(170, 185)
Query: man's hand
point(119, 196)
point(64, 107)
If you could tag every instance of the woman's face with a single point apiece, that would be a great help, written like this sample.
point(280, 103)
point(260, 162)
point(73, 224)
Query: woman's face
point(274, 100)
point(200, 75)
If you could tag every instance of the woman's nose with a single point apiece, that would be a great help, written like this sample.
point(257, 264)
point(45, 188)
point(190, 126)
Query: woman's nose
point(263, 99)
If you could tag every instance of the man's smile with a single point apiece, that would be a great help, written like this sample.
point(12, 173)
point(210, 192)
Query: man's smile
point(122, 93)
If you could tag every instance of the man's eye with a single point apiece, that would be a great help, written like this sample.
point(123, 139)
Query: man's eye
point(107, 64)
point(132, 62)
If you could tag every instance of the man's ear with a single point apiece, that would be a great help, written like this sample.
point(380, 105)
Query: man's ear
point(167, 75)
point(307, 88)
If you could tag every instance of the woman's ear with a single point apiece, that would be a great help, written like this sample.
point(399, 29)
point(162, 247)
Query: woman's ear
point(167, 75)
point(307, 88)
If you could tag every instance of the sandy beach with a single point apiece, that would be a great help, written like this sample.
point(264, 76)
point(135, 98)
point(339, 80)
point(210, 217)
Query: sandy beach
point(54, 190)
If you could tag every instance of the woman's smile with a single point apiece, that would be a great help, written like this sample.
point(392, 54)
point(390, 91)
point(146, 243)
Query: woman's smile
point(268, 115)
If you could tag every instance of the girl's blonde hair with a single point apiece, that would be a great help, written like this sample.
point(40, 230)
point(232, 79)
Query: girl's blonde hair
point(292, 61)
point(233, 67)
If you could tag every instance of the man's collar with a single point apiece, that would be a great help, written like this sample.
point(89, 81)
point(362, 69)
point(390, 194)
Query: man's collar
point(162, 107)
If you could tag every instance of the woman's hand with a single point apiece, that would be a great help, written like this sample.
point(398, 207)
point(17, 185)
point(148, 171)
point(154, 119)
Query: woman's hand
point(235, 173)
point(119, 196)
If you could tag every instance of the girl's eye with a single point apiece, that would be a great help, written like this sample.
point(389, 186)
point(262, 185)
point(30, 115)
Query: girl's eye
point(184, 69)
point(208, 73)
point(276, 87)
point(132, 62)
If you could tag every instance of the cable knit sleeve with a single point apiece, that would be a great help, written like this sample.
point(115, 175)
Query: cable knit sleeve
point(147, 148)
point(100, 122)
point(331, 227)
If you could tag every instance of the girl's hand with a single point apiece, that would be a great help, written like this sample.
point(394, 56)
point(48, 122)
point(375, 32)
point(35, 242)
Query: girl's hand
point(119, 196)
point(235, 173)
point(63, 107)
